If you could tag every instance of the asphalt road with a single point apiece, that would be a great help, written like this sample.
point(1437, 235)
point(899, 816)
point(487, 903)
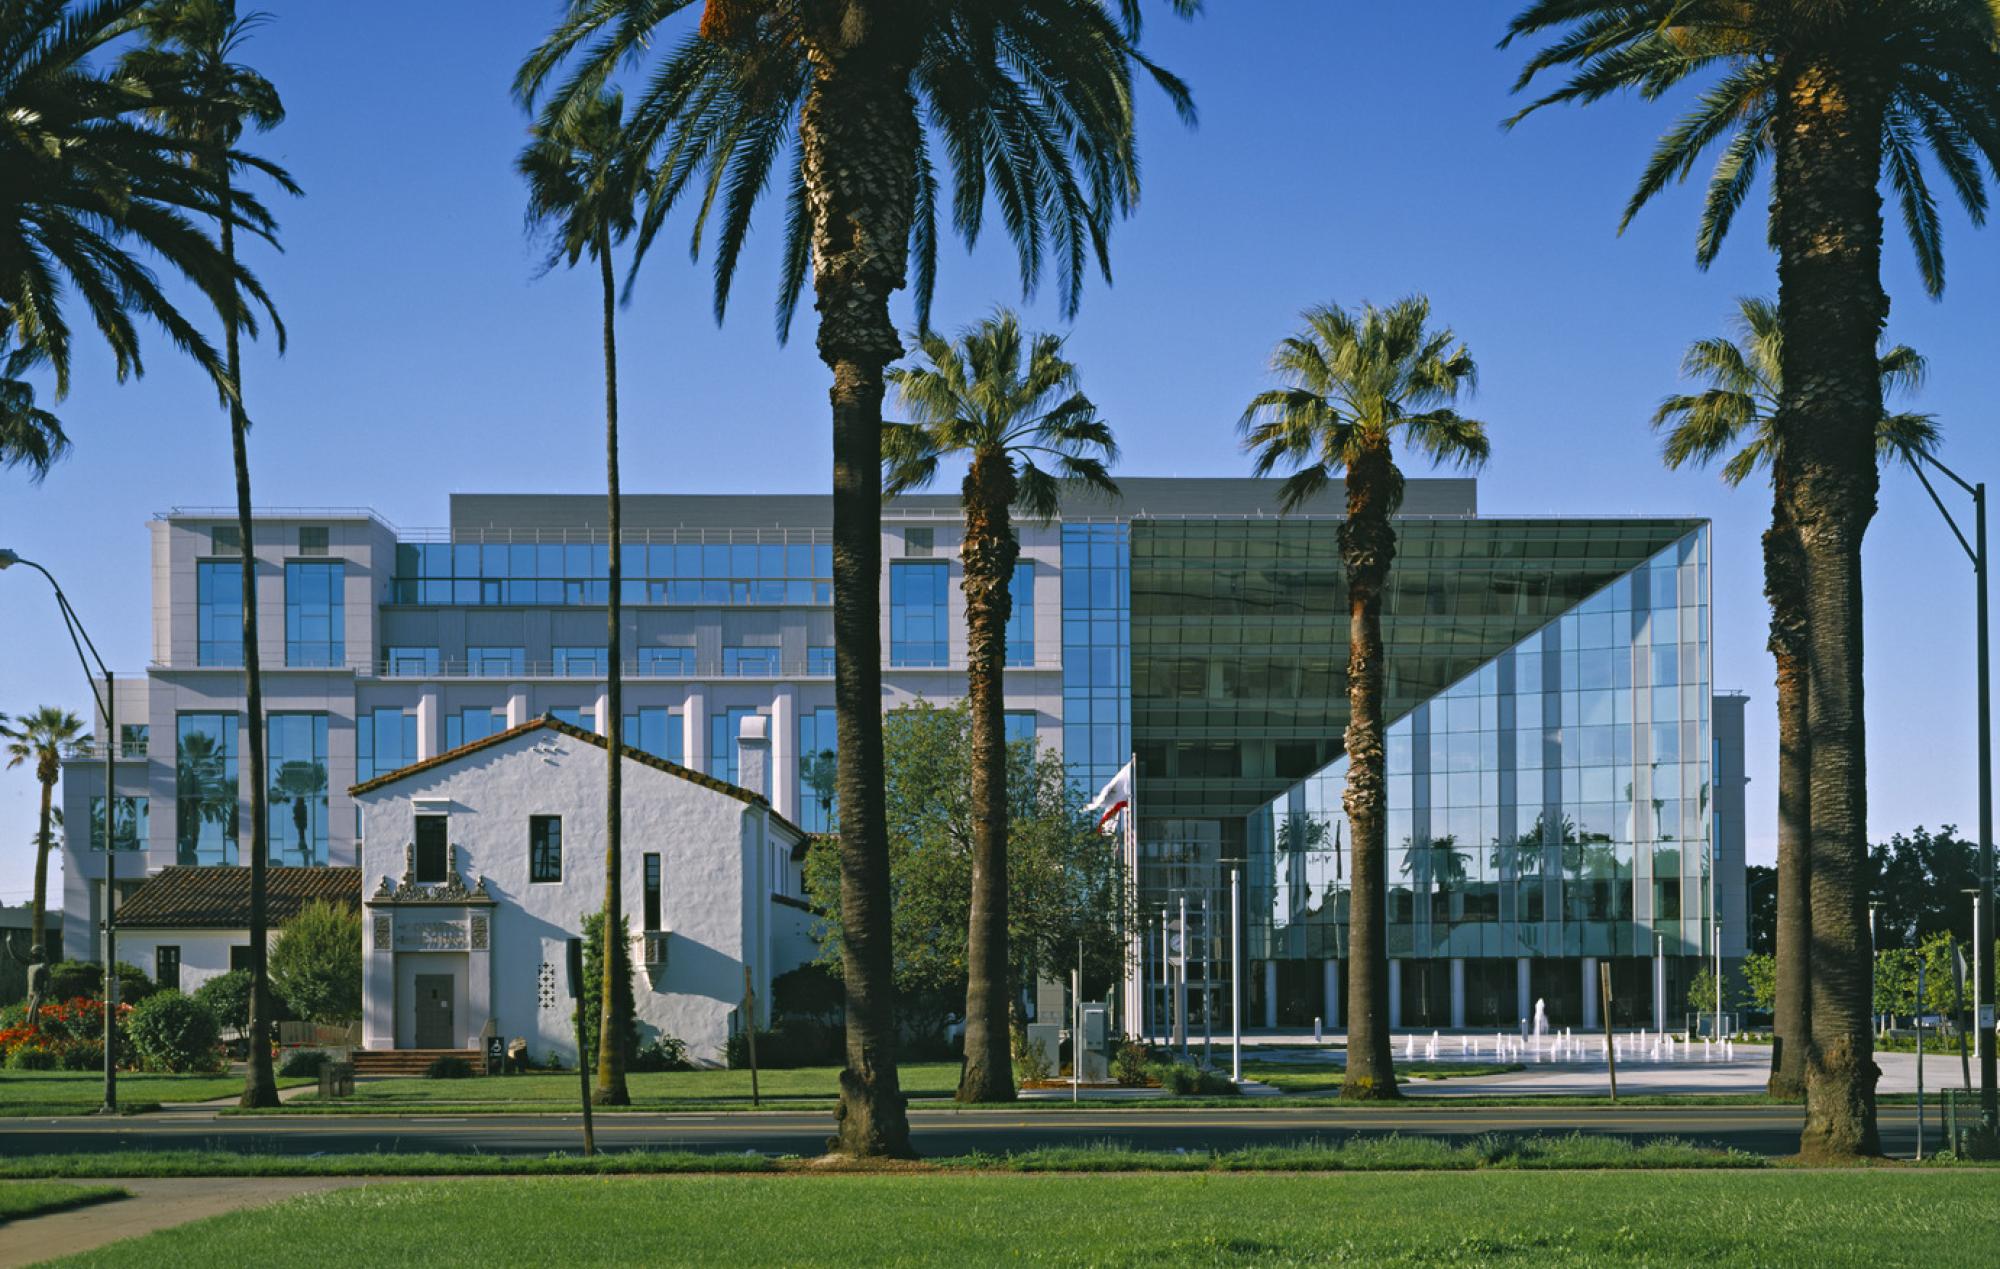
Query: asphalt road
point(1769, 1130)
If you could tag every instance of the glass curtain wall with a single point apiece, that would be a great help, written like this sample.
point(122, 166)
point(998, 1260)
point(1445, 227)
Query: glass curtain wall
point(1097, 652)
point(818, 747)
point(297, 805)
point(218, 598)
point(205, 789)
point(315, 615)
point(793, 573)
point(134, 822)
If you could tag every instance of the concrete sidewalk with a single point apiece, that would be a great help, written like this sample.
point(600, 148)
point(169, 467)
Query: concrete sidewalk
point(155, 1204)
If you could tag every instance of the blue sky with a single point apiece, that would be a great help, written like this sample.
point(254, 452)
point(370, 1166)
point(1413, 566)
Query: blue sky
point(1345, 152)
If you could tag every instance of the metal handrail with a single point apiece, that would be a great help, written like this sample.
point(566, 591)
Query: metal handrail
point(704, 671)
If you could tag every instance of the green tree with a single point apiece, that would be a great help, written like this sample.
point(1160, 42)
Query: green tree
point(316, 963)
point(228, 997)
point(1065, 884)
point(1920, 880)
point(850, 103)
point(1352, 382)
point(93, 187)
point(40, 738)
point(581, 195)
point(1760, 972)
point(1838, 96)
point(598, 972)
point(204, 99)
point(1736, 411)
point(1013, 409)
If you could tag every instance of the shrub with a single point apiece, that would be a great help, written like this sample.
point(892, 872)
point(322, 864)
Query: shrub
point(228, 996)
point(1031, 1060)
point(306, 1063)
point(791, 1042)
point(593, 986)
point(316, 963)
point(71, 979)
point(1129, 1065)
point(662, 1053)
point(70, 1034)
point(1185, 1079)
point(29, 1057)
point(448, 1068)
point(82, 1056)
point(175, 1033)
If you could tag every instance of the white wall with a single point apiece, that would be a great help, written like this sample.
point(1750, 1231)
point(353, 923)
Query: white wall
point(204, 953)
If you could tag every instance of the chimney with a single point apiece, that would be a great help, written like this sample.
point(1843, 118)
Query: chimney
point(753, 755)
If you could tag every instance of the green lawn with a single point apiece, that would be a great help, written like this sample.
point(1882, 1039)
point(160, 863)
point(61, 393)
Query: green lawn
point(658, 1090)
point(81, 1092)
point(21, 1199)
point(1862, 1219)
point(1322, 1077)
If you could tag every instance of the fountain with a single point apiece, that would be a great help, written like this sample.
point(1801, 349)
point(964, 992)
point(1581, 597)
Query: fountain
point(1410, 1047)
point(1431, 1049)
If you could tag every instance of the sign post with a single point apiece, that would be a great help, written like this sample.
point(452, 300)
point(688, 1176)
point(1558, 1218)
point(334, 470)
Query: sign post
point(1610, 1040)
point(750, 1032)
point(582, 1056)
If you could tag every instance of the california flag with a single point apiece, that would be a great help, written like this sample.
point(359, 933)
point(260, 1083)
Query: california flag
point(1113, 798)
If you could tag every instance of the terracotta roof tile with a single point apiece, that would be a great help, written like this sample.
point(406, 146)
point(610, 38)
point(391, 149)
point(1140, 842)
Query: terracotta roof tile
point(218, 897)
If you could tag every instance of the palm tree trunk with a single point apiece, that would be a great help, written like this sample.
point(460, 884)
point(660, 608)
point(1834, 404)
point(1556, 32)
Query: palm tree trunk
point(988, 553)
point(858, 134)
point(613, 1026)
point(38, 948)
point(1368, 547)
point(1827, 214)
point(1792, 1013)
point(260, 1086)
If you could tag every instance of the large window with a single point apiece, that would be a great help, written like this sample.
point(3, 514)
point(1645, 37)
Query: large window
point(818, 749)
point(218, 600)
point(468, 725)
point(433, 852)
point(134, 820)
point(751, 662)
point(575, 716)
point(296, 756)
point(409, 660)
point(580, 660)
point(819, 661)
point(655, 731)
point(1020, 725)
point(385, 740)
point(724, 726)
point(315, 620)
point(167, 967)
point(657, 661)
point(705, 573)
point(545, 848)
point(205, 789)
point(1021, 617)
point(919, 633)
point(489, 662)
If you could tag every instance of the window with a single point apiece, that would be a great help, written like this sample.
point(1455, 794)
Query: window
point(1020, 725)
point(224, 540)
point(312, 539)
point(468, 725)
point(1021, 616)
point(750, 661)
point(819, 747)
point(658, 661)
point(205, 789)
point(296, 756)
point(918, 543)
point(724, 726)
point(819, 661)
point(385, 740)
point(239, 957)
point(167, 966)
point(218, 598)
point(652, 891)
point(655, 731)
point(433, 859)
point(917, 616)
point(315, 620)
point(135, 737)
point(545, 848)
point(580, 661)
point(494, 662)
point(409, 660)
point(584, 719)
point(134, 822)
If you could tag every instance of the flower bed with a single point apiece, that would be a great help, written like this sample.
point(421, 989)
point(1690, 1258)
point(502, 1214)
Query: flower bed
point(69, 1036)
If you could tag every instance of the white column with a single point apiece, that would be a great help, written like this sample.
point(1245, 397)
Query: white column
point(1270, 995)
point(430, 722)
point(784, 792)
point(1458, 993)
point(694, 728)
point(1589, 992)
point(1523, 989)
point(517, 704)
point(378, 981)
point(1395, 994)
point(1659, 986)
point(1330, 993)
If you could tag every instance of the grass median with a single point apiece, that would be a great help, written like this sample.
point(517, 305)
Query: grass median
point(1770, 1217)
point(22, 1199)
point(82, 1092)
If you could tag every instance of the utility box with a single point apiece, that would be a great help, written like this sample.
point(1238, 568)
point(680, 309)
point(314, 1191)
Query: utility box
point(1048, 1035)
point(1094, 1054)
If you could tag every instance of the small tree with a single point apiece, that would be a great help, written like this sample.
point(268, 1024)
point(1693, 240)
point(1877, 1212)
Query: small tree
point(229, 996)
point(175, 1033)
point(316, 963)
point(1760, 971)
point(593, 986)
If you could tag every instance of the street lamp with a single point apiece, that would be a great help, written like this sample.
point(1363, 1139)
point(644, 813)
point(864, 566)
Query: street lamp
point(81, 641)
point(1989, 1094)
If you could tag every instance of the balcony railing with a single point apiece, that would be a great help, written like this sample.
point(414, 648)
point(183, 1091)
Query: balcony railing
point(700, 670)
point(86, 750)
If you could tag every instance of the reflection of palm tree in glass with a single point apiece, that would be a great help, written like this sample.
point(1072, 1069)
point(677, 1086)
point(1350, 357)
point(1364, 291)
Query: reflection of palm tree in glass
point(199, 779)
point(1299, 837)
point(821, 776)
point(1440, 863)
point(303, 784)
point(1526, 856)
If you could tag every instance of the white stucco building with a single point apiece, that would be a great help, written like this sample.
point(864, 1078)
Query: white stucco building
point(479, 866)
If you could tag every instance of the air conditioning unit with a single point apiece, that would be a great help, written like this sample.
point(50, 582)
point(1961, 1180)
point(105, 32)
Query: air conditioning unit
point(653, 953)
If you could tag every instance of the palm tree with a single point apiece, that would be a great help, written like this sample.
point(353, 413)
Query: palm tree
point(1737, 409)
point(1010, 405)
point(88, 180)
point(1352, 382)
point(851, 104)
point(1838, 95)
point(581, 193)
point(40, 738)
point(205, 100)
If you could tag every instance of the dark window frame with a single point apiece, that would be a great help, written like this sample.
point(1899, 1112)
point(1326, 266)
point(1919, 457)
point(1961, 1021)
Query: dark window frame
point(432, 862)
point(545, 863)
point(654, 875)
point(161, 958)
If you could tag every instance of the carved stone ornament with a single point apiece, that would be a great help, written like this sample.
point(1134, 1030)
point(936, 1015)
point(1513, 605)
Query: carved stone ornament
point(451, 890)
point(479, 927)
point(385, 931)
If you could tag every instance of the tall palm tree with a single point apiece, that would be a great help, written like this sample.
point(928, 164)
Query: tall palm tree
point(1353, 381)
point(1737, 409)
point(852, 102)
point(205, 99)
point(87, 183)
point(581, 193)
point(1839, 96)
point(1011, 406)
point(40, 738)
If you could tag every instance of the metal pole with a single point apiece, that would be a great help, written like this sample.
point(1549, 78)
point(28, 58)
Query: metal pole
point(110, 898)
point(1989, 1096)
point(1920, 1061)
point(1718, 982)
point(1166, 982)
point(1207, 986)
point(1181, 987)
point(1235, 983)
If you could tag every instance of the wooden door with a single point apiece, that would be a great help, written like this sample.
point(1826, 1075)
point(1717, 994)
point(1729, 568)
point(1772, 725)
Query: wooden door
point(434, 1028)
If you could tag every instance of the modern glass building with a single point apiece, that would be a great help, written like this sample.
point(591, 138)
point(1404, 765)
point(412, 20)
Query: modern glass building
point(1564, 787)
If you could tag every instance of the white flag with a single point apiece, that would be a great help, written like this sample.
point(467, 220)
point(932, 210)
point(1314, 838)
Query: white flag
point(1113, 798)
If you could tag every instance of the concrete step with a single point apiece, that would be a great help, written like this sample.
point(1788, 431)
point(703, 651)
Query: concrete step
point(370, 1062)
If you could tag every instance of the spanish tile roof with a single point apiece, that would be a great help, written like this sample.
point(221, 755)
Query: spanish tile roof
point(218, 896)
point(549, 723)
